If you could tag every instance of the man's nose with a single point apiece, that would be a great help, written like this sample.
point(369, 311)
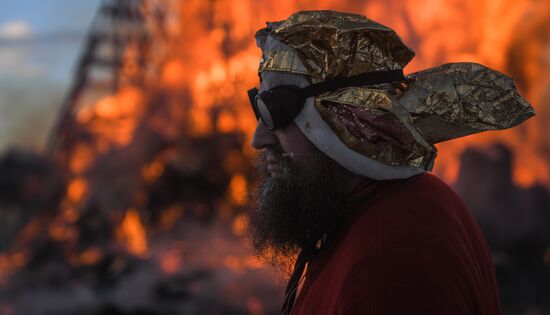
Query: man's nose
point(263, 137)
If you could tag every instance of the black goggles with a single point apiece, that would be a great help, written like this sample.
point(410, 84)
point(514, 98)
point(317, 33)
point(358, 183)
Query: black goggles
point(279, 106)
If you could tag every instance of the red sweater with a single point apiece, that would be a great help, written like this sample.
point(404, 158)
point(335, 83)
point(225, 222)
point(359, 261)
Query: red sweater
point(414, 249)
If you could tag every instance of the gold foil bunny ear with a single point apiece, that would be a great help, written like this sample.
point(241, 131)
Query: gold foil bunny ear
point(460, 99)
point(439, 104)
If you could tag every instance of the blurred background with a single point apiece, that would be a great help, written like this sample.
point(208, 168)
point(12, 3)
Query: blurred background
point(125, 159)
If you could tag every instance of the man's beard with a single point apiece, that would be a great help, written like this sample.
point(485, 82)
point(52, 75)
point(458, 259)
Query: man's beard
point(295, 207)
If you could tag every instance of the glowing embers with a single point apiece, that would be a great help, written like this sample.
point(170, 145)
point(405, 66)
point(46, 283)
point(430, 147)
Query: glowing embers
point(132, 234)
point(12, 261)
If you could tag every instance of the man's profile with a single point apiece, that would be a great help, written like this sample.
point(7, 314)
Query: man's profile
point(346, 141)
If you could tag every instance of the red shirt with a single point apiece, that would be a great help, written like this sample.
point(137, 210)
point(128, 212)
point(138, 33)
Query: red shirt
point(414, 249)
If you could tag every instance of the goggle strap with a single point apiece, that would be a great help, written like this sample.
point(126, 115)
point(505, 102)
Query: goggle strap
point(368, 78)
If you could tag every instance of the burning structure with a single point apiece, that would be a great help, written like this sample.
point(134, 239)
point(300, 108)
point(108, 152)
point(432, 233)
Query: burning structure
point(138, 208)
point(145, 175)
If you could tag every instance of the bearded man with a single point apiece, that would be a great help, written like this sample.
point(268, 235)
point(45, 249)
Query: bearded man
point(346, 143)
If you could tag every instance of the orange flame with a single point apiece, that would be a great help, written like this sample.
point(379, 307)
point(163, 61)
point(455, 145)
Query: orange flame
point(237, 189)
point(90, 256)
point(132, 234)
point(62, 232)
point(76, 189)
point(488, 32)
point(152, 171)
point(82, 157)
point(240, 224)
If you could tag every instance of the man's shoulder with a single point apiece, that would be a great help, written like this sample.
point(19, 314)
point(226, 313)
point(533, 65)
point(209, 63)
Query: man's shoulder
point(408, 217)
point(417, 234)
point(420, 188)
point(416, 241)
point(415, 198)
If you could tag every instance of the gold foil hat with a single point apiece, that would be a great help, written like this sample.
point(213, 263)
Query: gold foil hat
point(395, 125)
point(332, 44)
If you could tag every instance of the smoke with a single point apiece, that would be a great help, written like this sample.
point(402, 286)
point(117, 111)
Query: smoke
point(28, 109)
point(214, 278)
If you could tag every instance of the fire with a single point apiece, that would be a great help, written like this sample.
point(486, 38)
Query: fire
point(132, 234)
point(173, 73)
point(487, 32)
point(90, 256)
point(221, 59)
point(200, 122)
point(11, 262)
point(171, 216)
point(76, 189)
point(255, 306)
point(194, 88)
point(82, 158)
point(237, 189)
point(152, 171)
point(240, 224)
point(61, 232)
point(30, 231)
point(114, 118)
point(206, 58)
point(233, 262)
point(171, 261)
point(210, 59)
point(226, 122)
